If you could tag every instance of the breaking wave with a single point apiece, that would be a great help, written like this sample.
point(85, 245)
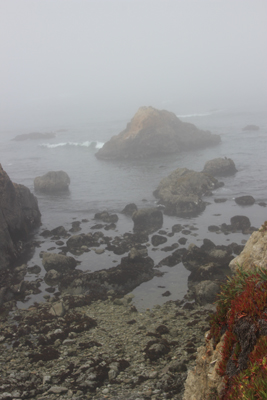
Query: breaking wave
point(93, 145)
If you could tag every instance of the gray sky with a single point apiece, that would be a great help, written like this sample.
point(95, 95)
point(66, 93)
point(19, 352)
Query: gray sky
point(68, 60)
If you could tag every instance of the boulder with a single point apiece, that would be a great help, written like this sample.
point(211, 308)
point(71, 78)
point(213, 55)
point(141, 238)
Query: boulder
point(206, 292)
point(157, 240)
point(34, 136)
point(240, 222)
point(245, 200)
point(251, 128)
point(220, 167)
point(129, 209)
point(147, 220)
point(19, 216)
point(58, 262)
point(181, 192)
point(52, 182)
point(152, 132)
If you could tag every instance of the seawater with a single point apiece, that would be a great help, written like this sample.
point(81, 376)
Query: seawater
point(98, 185)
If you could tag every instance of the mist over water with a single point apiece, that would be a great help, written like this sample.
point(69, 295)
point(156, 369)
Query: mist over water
point(81, 69)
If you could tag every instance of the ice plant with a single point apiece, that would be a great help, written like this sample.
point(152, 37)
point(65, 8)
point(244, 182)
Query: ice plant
point(241, 314)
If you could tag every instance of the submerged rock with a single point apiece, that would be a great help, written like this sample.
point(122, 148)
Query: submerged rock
point(152, 132)
point(52, 182)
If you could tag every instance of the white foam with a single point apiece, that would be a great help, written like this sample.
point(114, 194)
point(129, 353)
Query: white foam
point(94, 144)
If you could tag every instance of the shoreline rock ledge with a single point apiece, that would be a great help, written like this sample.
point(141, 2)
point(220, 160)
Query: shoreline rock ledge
point(152, 132)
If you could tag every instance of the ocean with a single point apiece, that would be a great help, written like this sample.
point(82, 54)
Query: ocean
point(98, 185)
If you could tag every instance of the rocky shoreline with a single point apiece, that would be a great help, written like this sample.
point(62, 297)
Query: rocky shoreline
point(105, 350)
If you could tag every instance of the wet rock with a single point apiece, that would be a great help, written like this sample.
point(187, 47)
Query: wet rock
point(129, 209)
point(34, 270)
point(181, 192)
point(58, 262)
point(220, 167)
point(106, 217)
point(75, 226)
point(157, 240)
point(245, 200)
point(147, 220)
point(182, 240)
point(213, 228)
point(240, 222)
point(220, 200)
point(173, 259)
point(59, 231)
point(52, 182)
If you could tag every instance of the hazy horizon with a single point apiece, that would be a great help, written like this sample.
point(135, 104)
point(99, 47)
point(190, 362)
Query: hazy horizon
point(66, 61)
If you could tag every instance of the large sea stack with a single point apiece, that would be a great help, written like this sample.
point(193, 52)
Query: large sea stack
point(19, 215)
point(153, 132)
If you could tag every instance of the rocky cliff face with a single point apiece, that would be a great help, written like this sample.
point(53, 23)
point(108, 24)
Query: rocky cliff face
point(249, 329)
point(19, 215)
point(151, 133)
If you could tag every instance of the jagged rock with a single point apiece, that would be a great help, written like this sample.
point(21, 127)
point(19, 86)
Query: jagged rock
point(34, 136)
point(220, 167)
point(19, 216)
point(245, 200)
point(181, 192)
point(52, 182)
point(151, 133)
point(147, 220)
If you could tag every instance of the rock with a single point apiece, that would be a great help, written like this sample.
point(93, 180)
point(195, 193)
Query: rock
point(220, 167)
point(152, 133)
point(206, 292)
point(254, 253)
point(181, 192)
point(129, 209)
point(245, 200)
point(57, 309)
point(58, 262)
point(240, 222)
point(157, 240)
point(52, 182)
point(34, 136)
point(34, 270)
point(106, 217)
point(251, 128)
point(147, 220)
point(19, 216)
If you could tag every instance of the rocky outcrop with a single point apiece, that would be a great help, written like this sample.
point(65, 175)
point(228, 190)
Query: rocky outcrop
point(220, 167)
point(245, 200)
point(152, 133)
point(52, 182)
point(34, 136)
point(19, 215)
point(181, 192)
point(249, 327)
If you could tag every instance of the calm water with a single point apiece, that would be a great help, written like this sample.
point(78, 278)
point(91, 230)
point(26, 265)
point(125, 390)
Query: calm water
point(100, 185)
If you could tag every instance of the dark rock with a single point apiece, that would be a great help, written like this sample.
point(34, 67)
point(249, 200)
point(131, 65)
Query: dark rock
point(52, 182)
point(181, 192)
point(166, 294)
point(171, 247)
point(213, 228)
point(75, 227)
point(206, 292)
point(220, 200)
point(34, 270)
point(182, 240)
point(106, 217)
point(59, 231)
point(147, 220)
point(129, 209)
point(157, 240)
point(174, 259)
point(19, 216)
point(245, 200)
point(156, 349)
point(152, 133)
point(220, 167)
point(251, 128)
point(240, 222)
point(177, 228)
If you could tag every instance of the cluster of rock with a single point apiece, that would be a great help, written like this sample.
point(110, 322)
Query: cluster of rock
point(152, 132)
point(104, 350)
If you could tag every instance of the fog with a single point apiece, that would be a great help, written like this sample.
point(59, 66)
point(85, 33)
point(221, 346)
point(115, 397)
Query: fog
point(66, 61)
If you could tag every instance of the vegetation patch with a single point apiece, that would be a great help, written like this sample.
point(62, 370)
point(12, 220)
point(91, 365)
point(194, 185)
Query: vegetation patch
point(241, 316)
